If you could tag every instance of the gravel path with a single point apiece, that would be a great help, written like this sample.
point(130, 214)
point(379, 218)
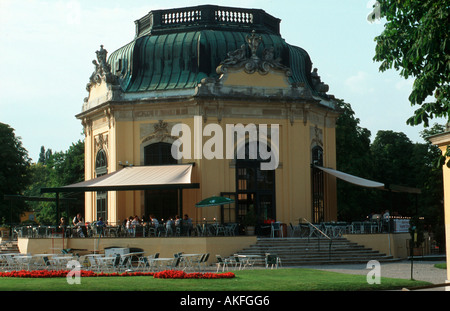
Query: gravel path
point(422, 270)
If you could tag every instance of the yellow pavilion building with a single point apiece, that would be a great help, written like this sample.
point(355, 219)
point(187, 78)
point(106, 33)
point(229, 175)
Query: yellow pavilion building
point(208, 101)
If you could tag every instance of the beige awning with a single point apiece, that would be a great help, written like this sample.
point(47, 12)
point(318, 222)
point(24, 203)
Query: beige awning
point(352, 179)
point(136, 178)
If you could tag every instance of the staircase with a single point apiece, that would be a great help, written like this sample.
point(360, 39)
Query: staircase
point(314, 251)
point(9, 247)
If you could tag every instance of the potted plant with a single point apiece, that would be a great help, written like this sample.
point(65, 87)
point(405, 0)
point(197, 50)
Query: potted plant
point(250, 220)
point(4, 229)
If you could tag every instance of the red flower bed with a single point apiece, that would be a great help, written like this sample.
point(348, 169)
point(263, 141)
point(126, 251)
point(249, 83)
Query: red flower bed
point(176, 274)
point(167, 274)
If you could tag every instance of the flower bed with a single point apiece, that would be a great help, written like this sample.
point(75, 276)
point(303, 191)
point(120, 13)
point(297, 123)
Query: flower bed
point(167, 274)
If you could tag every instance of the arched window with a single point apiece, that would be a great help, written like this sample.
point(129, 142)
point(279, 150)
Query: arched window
point(101, 168)
point(317, 185)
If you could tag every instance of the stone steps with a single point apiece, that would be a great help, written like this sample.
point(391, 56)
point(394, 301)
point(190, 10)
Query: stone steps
point(9, 247)
point(303, 251)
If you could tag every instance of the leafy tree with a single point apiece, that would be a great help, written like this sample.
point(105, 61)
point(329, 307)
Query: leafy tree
point(14, 162)
point(432, 196)
point(416, 41)
point(60, 169)
point(353, 156)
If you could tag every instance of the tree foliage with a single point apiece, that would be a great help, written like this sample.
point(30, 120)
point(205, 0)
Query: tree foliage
point(353, 157)
point(14, 163)
point(415, 41)
point(56, 170)
point(392, 158)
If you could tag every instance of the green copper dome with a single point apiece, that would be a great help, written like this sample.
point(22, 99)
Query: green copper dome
point(176, 49)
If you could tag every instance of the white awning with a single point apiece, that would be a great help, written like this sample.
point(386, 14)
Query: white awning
point(352, 179)
point(136, 178)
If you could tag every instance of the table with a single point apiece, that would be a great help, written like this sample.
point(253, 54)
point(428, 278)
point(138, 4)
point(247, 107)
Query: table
point(106, 263)
point(60, 262)
point(249, 260)
point(38, 260)
point(23, 261)
point(188, 260)
point(161, 263)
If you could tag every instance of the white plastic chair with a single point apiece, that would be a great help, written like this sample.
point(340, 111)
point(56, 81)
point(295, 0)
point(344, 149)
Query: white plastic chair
point(222, 262)
point(276, 226)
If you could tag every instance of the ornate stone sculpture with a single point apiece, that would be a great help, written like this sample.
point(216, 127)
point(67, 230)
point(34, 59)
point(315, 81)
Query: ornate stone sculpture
point(318, 85)
point(102, 70)
point(239, 59)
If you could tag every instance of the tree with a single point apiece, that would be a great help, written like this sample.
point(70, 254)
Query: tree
point(353, 156)
point(14, 162)
point(60, 169)
point(416, 41)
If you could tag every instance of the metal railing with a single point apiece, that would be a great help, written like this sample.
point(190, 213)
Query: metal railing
point(321, 233)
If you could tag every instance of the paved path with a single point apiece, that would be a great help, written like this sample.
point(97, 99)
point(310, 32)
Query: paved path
point(422, 270)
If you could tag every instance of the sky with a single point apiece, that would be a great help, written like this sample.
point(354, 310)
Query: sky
point(47, 48)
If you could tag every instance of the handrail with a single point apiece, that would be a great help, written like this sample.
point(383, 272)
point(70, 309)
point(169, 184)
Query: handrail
point(323, 233)
point(320, 231)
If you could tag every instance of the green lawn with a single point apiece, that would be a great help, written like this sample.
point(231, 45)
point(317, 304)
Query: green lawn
point(246, 280)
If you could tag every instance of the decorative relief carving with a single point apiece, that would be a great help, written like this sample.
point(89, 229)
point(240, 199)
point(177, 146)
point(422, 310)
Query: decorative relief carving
point(160, 133)
point(252, 64)
point(101, 142)
point(316, 136)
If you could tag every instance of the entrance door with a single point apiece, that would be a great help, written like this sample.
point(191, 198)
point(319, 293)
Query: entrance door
point(254, 188)
point(162, 203)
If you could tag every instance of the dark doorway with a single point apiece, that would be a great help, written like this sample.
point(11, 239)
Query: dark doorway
point(255, 188)
point(162, 203)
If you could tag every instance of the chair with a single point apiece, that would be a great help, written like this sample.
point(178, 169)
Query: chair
point(125, 263)
point(272, 260)
point(222, 262)
point(230, 229)
point(161, 230)
point(175, 264)
point(48, 264)
point(275, 226)
point(294, 229)
point(12, 263)
point(93, 265)
point(151, 263)
point(199, 229)
point(205, 261)
point(113, 264)
point(200, 262)
point(152, 231)
point(242, 262)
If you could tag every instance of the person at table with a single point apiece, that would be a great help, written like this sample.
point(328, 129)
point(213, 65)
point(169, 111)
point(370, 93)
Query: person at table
point(63, 226)
point(170, 224)
point(187, 224)
point(78, 222)
point(100, 225)
point(386, 217)
point(153, 221)
point(129, 225)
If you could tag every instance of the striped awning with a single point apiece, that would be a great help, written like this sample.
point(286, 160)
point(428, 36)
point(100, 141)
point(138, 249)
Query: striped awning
point(136, 178)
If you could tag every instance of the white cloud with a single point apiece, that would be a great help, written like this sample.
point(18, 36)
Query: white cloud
point(360, 83)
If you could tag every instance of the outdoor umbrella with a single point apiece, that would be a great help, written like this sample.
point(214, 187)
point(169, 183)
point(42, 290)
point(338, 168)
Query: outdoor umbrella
point(214, 201)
